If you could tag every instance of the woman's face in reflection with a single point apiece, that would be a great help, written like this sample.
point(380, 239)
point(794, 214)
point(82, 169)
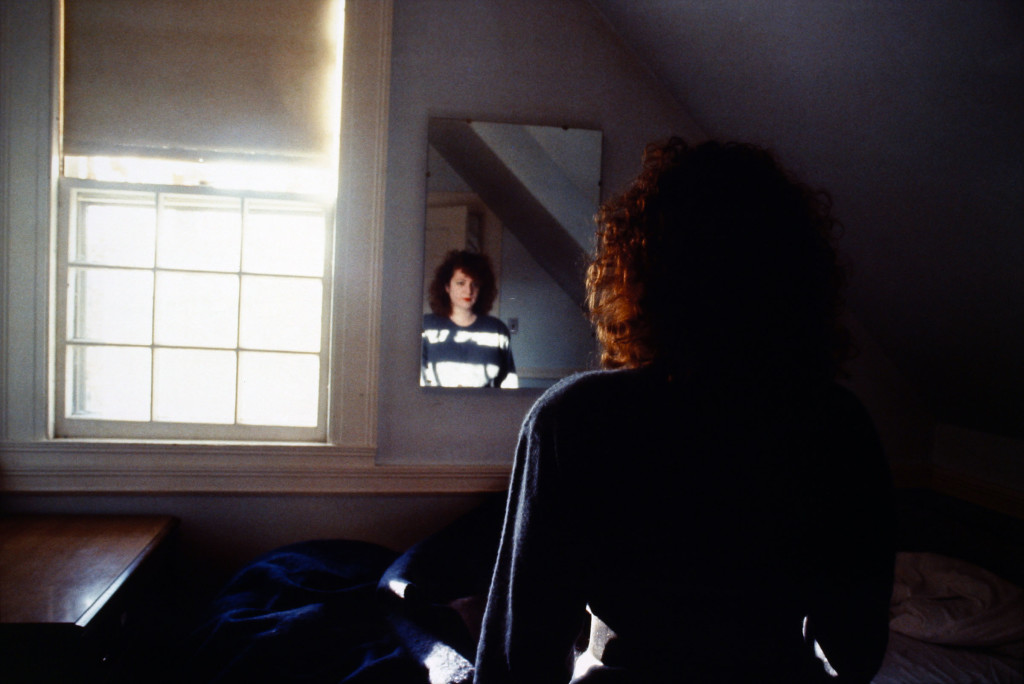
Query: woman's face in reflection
point(463, 291)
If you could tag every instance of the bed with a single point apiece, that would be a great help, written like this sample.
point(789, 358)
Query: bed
point(957, 611)
point(952, 621)
point(351, 612)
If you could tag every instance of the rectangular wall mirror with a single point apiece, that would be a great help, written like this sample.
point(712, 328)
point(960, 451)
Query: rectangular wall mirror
point(525, 197)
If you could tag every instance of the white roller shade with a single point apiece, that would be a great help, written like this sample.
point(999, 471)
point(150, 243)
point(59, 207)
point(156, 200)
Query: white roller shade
point(197, 77)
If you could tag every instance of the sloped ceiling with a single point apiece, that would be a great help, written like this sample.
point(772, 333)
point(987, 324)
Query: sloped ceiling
point(911, 114)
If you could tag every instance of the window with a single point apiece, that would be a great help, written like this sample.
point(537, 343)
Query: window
point(199, 174)
point(32, 459)
point(190, 306)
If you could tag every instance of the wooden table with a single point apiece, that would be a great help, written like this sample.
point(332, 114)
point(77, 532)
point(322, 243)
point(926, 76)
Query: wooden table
point(74, 589)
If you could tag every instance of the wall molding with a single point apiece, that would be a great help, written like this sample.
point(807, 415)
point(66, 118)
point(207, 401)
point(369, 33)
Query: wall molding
point(981, 492)
point(59, 467)
point(953, 483)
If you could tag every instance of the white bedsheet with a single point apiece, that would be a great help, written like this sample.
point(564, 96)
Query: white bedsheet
point(909, 661)
point(952, 622)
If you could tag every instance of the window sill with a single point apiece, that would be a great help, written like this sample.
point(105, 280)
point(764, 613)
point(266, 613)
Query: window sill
point(60, 466)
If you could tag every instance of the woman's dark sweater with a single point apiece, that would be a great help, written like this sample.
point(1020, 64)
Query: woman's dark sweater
point(719, 535)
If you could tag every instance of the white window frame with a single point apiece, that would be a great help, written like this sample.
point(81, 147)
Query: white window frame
point(70, 214)
point(31, 460)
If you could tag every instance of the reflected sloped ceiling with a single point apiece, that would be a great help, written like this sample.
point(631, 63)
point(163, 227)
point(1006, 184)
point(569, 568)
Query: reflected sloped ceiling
point(550, 244)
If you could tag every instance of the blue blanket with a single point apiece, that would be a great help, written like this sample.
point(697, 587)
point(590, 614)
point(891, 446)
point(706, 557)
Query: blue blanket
point(343, 611)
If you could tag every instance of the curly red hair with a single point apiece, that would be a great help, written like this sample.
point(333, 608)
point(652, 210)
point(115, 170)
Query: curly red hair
point(715, 258)
point(478, 267)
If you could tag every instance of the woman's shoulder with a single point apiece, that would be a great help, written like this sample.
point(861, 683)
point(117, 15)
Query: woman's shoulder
point(488, 323)
point(590, 388)
point(432, 320)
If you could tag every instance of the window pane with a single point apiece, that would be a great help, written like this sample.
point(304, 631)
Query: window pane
point(194, 386)
point(108, 305)
point(200, 233)
point(111, 383)
point(196, 309)
point(278, 389)
point(282, 239)
point(281, 313)
point(116, 235)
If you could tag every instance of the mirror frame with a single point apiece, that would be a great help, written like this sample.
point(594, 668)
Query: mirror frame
point(510, 178)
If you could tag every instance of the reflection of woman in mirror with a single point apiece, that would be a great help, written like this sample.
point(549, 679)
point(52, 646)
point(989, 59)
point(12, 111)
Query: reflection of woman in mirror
point(462, 345)
point(714, 498)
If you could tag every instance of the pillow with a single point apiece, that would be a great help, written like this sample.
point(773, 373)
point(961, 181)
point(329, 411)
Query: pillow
point(949, 601)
